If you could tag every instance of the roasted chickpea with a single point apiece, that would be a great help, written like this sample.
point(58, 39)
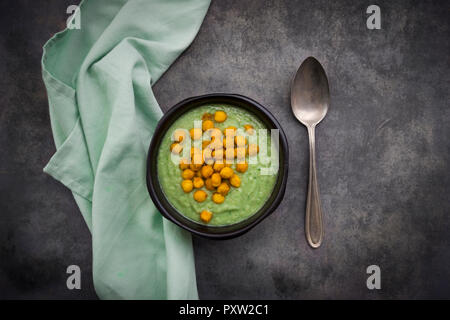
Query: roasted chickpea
point(226, 173)
point(249, 129)
point(207, 124)
point(207, 152)
point(208, 160)
point(184, 164)
point(207, 171)
point(223, 189)
point(176, 148)
point(195, 151)
point(198, 173)
point(198, 182)
point(242, 167)
point(195, 166)
point(196, 133)
point(187, 174)
point(235, 181)
point(197, 160)
point(230, 154)
point(205, 216)
point(228, 143)
point(187, 185)
point(253, 149)
point(207, 116)
point(179, 135)
point(214, 145)
point(215, 134)
point(220, 116)
point(240, 141)
point(218, 166)
point(240, 154)
point(216, 180)
point(207, 157)
point(218, 198)
point(218, 155)
point(200, 195)
point(205, 143)
point(208, 184)
point(230, 131)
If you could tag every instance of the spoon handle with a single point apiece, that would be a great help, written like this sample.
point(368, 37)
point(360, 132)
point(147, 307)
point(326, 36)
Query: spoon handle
point(313, 219)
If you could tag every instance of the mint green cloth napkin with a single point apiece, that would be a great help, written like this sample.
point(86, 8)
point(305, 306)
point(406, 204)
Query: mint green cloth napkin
point(103, 114)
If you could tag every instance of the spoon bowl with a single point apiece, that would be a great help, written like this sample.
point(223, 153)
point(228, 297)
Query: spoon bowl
point(310, 94)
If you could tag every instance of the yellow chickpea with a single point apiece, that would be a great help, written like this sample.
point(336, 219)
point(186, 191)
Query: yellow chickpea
point(196, 133)
point(228, 143)
point(223, 189)
point(179, 135)
point(253, 149)
point(226, 173)
point(207, 116)
point(205, 143)
point(209, 161)
point(215, 134)
point(230, 153)
point(184, 164)
point(230, 131)
point(207, 152)
point(208, 184)
point(218, 198)
point(240, 153)
point(187, 174)
point(205, 216)
point(207, 124)
point(200, 195)
point(242, 167)
point(198, 182)
point(235, 181)
point(187, 185)
point(195, 166)
point(197, 158)
point(216, 180)
point(220, 116)
point(228, 162)
point(240, 141)
point(218, 166)
point(176, 148)
point(218, 155)
point(214, 144)
point(198, 174)
point(249, 129)
point(207, 156)
point(207, 171)
point(195, 151)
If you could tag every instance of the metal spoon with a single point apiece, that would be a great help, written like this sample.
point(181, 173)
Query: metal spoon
point(309, 100)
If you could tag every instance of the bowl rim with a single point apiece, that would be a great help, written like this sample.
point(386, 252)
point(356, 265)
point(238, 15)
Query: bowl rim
point(152, 179)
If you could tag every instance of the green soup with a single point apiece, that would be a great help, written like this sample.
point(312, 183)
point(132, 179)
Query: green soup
point(240, 203)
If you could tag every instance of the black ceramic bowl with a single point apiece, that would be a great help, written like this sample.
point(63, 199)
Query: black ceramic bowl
point(157, 194)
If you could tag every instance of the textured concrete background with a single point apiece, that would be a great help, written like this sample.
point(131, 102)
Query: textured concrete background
point(383, 151)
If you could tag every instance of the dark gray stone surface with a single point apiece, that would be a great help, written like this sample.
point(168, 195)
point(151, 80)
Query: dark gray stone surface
point(383, 151)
